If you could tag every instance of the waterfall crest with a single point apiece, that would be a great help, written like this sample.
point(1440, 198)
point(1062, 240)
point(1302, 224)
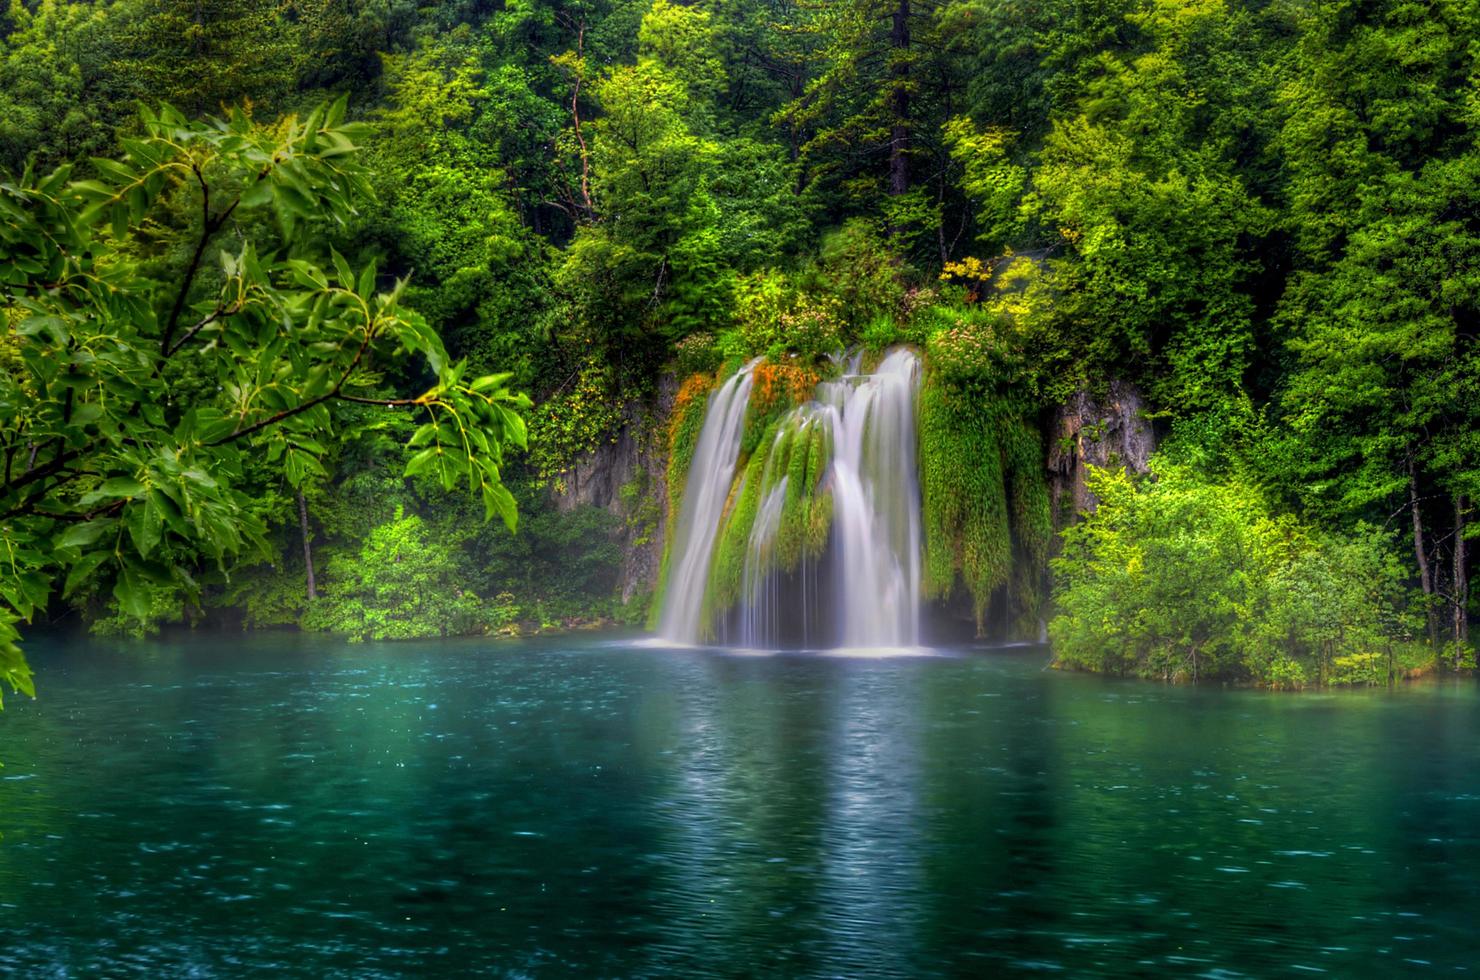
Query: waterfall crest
point(820, 541)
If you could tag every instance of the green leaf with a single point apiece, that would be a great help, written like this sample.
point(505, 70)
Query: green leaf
point(132, 592)
point(120, 486)
point(257, 193)
point(418, 464)
point(366, 286)
point(498, 500)
point(82, 535)
point(341, 267)
point(82, 570)
point(145, 524)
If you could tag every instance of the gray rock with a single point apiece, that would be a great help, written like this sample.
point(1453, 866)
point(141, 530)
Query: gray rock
point(1110, 430)
point(636, 458)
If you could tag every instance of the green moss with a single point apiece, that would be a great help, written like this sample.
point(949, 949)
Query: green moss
point(985, 500)
point(655, 606)
point(727, 568)
point(776, 389)
point(806, 514)
point(796, 448)
point(1032, 523)
point(684, 427)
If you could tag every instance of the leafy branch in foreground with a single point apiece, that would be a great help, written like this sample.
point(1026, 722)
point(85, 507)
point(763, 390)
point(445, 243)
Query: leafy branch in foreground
point(130, 398)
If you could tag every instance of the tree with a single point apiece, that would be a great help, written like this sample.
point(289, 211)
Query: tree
point(1182, 578)
point(134, 387)
point(57, 100)
point(1378, 139)
point(1387, 381)
point(445, 211)
point(1149, 276)
point(203, 55)
point(872, 112)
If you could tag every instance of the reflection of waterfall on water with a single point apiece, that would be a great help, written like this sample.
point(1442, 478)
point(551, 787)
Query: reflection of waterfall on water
point(871, 852)
point(707, 490)
point(799, 786)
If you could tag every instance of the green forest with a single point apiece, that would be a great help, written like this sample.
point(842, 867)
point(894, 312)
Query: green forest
point(313, 309)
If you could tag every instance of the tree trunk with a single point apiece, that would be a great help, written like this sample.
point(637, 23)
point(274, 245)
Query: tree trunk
point(1461, 581)
point(307, 548)
point(899, 132)
point(1424, 577)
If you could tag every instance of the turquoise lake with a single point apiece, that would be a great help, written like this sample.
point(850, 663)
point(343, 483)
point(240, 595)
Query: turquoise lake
point(290, 806)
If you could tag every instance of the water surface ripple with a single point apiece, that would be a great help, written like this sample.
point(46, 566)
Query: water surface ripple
point(287, 805)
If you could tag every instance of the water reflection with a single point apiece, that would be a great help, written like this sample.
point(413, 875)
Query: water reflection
point(552, 808)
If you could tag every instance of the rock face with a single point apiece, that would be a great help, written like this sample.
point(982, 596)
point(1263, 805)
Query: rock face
point(626, 477)
point(1088, 431)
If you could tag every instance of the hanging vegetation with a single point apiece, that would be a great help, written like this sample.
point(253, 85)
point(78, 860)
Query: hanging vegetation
point(985, 499)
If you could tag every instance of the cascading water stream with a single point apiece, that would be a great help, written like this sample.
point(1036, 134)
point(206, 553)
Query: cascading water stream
point(870, 489)
point(758, 616)
point(876, 504)
point(707, 489)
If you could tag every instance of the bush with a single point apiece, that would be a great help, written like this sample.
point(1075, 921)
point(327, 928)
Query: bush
point(166, 605)
point(402, 583)
point(575, 421)
point(776, 319)
point(857, 270)
point(697, 353)
point(1180, 578)
point(972, 344)
point(268, 595)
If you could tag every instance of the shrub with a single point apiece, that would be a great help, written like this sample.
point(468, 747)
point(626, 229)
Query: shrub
point(575, 421)
point(696, 353)
point(857, 270)
point(776, 319)
point(402, 583)
point(1181, 578)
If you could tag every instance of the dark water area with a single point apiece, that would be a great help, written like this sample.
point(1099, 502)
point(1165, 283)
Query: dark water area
point(286, 806)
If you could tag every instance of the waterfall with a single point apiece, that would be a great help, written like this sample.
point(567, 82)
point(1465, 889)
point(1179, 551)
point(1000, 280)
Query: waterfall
point(758, 620)
point(706, 491)
point(833, 495)
point(876, 504)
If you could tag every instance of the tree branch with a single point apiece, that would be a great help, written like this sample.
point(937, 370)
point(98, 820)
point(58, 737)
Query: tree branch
point(288, 413)
point(201, 324)
point(383, 402)
point(208, 229)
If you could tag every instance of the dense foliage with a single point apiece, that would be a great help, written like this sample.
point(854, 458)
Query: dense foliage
point(1182, 578)
point(1263, 215)
point(141, 389)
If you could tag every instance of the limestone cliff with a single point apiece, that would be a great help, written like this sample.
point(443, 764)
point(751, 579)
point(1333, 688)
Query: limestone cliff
point(1109, 429)
point(625, 477)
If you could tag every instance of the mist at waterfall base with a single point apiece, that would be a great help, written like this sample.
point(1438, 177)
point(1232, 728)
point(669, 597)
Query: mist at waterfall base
point(863, 591)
